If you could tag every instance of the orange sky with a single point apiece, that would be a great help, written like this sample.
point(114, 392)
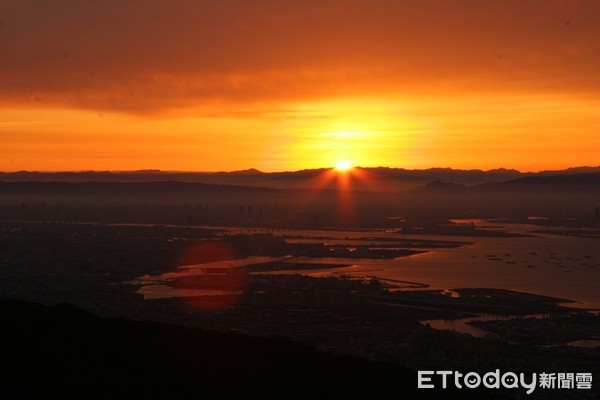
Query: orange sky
point(280, 85)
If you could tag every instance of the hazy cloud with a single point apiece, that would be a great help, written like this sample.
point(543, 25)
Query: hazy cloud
point(149, 56)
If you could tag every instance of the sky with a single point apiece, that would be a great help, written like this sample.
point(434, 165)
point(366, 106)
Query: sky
point(285, 85)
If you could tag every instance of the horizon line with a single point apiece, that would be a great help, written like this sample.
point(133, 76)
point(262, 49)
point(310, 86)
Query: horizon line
point(257, 171)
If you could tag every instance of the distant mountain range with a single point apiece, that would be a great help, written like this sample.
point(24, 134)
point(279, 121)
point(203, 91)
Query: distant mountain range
point(309, 198)
point(538, 182)
point(368, 179)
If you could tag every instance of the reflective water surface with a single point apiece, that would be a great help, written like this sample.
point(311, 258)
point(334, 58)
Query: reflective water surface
point(559, 266)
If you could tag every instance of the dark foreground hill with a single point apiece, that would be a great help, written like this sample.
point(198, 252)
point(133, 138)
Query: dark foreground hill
point(63, 352)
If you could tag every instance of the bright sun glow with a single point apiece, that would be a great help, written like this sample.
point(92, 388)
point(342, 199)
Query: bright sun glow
point(343, 165)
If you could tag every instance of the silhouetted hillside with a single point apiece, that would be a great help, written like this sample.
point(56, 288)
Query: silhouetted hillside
point(250, 171)
point(64, 352)
point(372, 201)
point(580, 179)
point(439, 186)
point(583, 186)
point(573, 182)
point(156, 188)
point(471, 176)
point(569, 171)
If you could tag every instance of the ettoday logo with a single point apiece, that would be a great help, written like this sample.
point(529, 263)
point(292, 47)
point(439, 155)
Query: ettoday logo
point(508, 380)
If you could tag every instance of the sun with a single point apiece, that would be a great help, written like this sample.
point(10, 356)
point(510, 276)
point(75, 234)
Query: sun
point(343, 165)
